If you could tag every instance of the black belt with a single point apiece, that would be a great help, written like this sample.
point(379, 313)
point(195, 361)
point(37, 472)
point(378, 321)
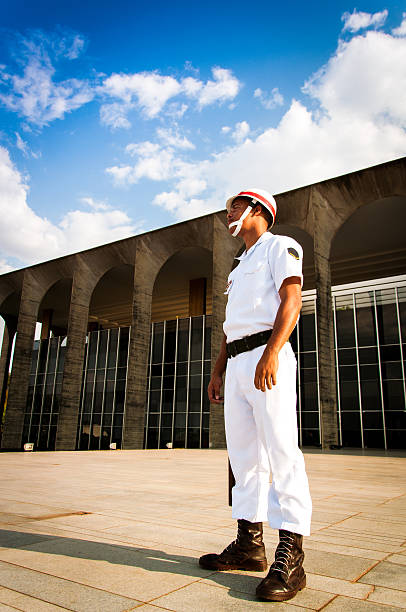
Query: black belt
point(247, 343)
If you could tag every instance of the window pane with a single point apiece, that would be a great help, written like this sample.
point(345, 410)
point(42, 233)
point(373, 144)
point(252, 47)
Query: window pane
point(183, 339)
point(101, 356)
point(351, 429)
point(307, 332)
point(368, 355)
point(166, 437)
point(345, 326)
point(393, 395)
point(310, 437)
point(170, 341)
point(112, 356)
point(193, 438)
point(374, 439)
point(387, 319)
point(207, 339)
point(196, 342)
point(365, 319)
point(371, 395)
point(157, 343)
point(309, 396)
point(123, 347)
point(347, 357)
point(349, 395)
point(372, 420)
point(179, 438)
point(392, 369)
point(396, 439)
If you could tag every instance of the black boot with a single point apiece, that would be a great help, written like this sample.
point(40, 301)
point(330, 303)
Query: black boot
point(247, 552)
point(286, 575)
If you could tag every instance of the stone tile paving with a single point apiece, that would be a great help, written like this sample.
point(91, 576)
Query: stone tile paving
point(122, 530)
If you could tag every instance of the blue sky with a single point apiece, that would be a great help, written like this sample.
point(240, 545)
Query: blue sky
point(117, 118)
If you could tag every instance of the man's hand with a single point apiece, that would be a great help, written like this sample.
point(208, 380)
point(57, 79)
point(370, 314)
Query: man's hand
point(267, 367)
point(214, 389)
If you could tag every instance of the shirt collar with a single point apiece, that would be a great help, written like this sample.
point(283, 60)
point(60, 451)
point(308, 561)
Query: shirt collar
point(263, 238)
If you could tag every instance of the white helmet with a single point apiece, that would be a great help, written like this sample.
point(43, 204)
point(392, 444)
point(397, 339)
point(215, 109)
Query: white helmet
point(257, 196)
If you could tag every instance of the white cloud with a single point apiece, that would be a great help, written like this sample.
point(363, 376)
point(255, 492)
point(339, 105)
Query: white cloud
point(174, 139)
point(224, 86)
point(365, 79)
point(150, 92)
point(241, 131)
point(225, 129)
point(75, 48)
point(358, 20)
point(154, 160)
point(271, 100)
point(401, 30)
point(33, 91)
point(121, 175)
point(115, 115)
point(359, 121)
point(29, 238)
point(95, 204)
point(34, 94)
point(22, 145)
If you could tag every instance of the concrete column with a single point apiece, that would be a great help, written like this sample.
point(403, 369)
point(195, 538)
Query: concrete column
point(82, 286)
point(136, 396)
point(5, 357)
point(20, 374)
point(224, 249)
point(324, 228)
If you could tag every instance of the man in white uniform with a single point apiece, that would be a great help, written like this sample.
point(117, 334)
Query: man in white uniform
point(264, 301)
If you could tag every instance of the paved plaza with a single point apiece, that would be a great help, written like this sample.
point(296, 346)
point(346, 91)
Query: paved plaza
point(122, 530)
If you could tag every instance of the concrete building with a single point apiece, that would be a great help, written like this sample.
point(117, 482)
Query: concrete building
point(129, 329)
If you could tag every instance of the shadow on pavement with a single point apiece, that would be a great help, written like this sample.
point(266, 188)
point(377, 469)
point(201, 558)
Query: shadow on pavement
point(241, 586)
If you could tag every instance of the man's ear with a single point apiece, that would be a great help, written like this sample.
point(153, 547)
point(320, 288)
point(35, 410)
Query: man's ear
point(257, 210)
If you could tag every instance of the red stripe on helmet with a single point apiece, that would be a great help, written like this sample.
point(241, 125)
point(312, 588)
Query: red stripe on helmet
point(260, 198)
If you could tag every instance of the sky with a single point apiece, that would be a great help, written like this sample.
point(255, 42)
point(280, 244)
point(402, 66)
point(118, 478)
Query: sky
point(121, 117)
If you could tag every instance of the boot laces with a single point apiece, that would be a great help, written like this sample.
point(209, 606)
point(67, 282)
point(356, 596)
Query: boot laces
point(234, 544)
point(283, 554)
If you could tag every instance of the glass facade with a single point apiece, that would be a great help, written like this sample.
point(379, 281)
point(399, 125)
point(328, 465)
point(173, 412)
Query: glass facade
point(304, 344)
point(44, 392)
point(370, 328)
point(178, 409)
point(103, 393)
point(370, 350)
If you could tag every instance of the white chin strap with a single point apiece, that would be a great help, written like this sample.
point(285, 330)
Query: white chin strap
point(238, 224)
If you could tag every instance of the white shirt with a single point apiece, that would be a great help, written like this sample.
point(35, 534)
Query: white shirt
point(253, 286)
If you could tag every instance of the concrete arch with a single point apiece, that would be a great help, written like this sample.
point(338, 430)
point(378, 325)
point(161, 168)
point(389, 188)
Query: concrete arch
point(53, 311)
point(195, 233)
point(370, 243)
point(10, 305)
point(178, 280)
point(111, 299)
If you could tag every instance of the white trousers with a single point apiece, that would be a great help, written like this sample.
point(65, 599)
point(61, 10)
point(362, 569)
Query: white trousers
point(261, 431)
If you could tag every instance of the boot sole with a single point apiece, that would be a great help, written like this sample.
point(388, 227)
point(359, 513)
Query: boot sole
point(252, 566)
point(283, 596)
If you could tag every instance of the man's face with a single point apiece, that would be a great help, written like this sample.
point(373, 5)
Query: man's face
point(236, 210)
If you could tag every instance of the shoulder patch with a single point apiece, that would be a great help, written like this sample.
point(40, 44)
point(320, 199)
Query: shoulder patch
point(293, 252)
